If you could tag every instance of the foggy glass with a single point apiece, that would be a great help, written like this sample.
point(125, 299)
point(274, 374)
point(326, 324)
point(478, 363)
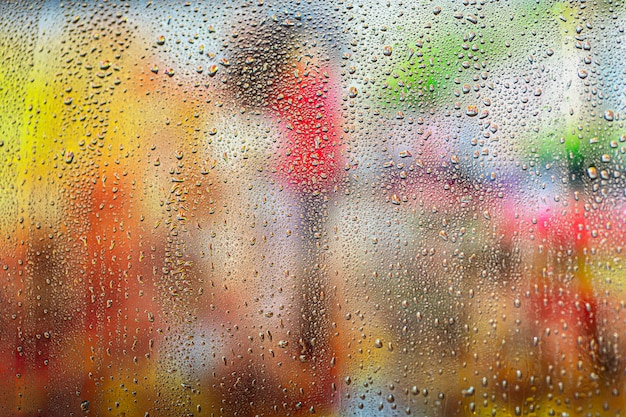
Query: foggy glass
point(289, 208)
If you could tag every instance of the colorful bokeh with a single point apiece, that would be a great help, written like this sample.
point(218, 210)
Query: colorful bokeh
point(287, 208)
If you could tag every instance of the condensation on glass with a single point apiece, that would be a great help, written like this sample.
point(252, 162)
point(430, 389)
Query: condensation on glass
point(274, 208)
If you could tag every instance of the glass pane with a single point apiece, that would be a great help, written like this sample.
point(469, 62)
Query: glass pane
point(266, 208)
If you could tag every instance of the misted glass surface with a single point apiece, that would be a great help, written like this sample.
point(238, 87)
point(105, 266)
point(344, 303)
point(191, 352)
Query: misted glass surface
point(290, 208)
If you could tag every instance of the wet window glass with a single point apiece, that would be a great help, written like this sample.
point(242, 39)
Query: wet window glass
point(290, 208)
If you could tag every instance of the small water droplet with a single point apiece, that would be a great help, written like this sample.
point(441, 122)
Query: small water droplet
point(592, 172)
point(84, 406)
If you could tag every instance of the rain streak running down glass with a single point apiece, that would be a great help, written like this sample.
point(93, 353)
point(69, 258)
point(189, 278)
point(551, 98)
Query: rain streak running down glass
point(328, 208)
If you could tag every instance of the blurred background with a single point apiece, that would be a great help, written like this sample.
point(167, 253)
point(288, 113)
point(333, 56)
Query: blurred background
point(288, 208)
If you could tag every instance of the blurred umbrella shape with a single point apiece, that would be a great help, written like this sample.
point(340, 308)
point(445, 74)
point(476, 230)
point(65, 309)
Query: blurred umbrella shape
point(288, 78)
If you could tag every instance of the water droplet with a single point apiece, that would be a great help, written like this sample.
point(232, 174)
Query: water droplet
point(378, 343)
point(471, 111)
point(592, 172)
point(608, 115)
point(582, 74)
point(84, 406)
